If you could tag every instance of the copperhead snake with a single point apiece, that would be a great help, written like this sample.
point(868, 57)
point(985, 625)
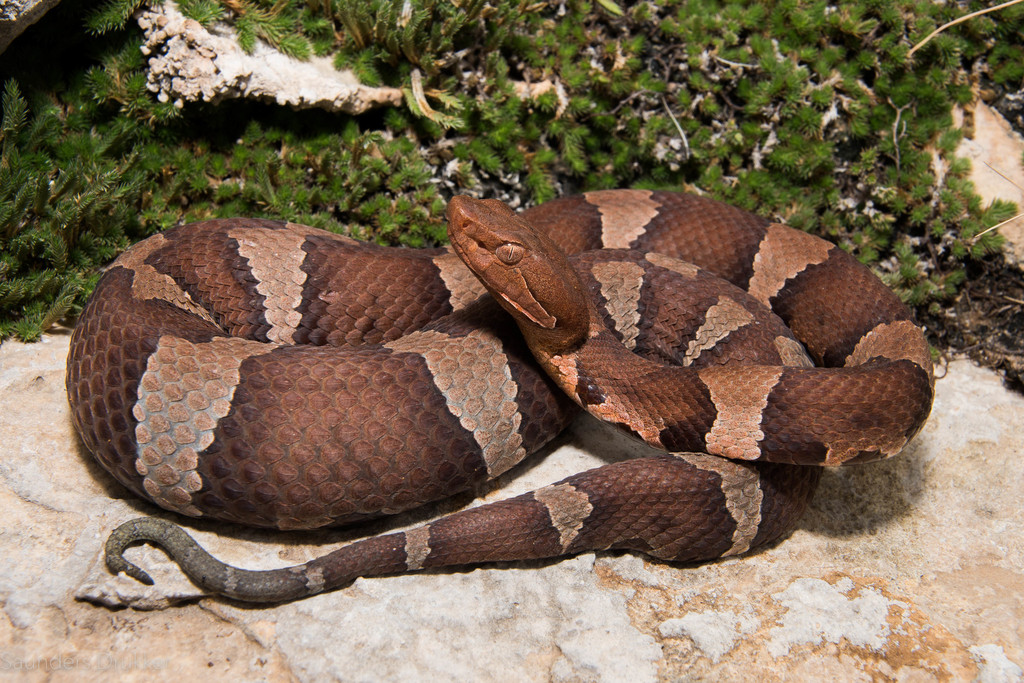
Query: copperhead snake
point(276, 375)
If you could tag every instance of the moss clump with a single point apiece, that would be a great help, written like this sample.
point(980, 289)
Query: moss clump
point(68, 200)
point(371, 185)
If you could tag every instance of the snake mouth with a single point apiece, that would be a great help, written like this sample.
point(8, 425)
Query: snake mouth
point(532, 310)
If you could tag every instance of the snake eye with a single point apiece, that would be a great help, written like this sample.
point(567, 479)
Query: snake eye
point(510, 253)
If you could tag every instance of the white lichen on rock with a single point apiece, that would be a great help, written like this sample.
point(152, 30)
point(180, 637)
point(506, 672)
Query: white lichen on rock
point(818, 611)
point(995, 666)
point(713, 633)
point(188, 63)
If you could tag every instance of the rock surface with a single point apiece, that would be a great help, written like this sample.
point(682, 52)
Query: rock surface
point(910, 569)
point(997, 168)
point(188, 63)
point(18, 15)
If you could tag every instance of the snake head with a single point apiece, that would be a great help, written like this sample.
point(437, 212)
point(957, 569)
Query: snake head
point(524, 270)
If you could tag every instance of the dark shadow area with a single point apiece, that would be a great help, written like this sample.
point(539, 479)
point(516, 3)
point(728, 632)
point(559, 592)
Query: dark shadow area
point(860, 499)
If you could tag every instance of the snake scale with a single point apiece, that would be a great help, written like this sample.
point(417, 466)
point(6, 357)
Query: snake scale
point(272, 374)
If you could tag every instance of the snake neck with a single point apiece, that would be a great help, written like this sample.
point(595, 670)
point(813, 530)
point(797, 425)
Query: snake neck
point(581, 362)
point(574, 326)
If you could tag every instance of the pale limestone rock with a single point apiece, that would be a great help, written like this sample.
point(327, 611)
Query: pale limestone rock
point(18, 15)
point(909, 569)
point(997, 168)
point(188, 63)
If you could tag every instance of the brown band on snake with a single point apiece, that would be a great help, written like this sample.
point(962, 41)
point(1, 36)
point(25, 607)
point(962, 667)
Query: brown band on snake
point(473, 375)
point(366, 294)
point(186, 390)
point(721, 319)
point(781, 256)
point(716, 237)
point(741, 485)
point(149, 284)
point(417, 547)
point(899, 340)
point(833, 401)
point(310, 442)
point(740, 396)
point(315, 326)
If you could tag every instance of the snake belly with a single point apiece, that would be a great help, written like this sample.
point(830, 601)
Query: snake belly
point(276, 375)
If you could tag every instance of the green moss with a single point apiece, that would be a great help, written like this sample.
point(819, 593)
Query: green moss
point(67, 206)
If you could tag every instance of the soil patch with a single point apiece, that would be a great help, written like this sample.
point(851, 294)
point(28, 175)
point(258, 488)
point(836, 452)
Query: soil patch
point(986, 320)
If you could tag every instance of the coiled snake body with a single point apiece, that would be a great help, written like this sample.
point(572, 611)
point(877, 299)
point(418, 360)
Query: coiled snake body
point(277, 375)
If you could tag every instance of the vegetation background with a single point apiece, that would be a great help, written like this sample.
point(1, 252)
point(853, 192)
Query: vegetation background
point(810, 113)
